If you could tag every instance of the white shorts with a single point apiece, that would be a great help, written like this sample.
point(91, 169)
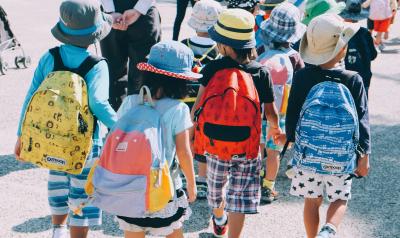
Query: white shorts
point(310, 185)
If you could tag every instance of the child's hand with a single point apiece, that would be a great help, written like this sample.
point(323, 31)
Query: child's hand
point(191, 189)
point(280, 139)
point(273, 132)
point(17, 149)
point(363, 166)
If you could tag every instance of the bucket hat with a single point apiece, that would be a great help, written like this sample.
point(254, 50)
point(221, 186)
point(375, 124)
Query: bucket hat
point(242, 4)
point(234, 28)
point(170, 58)
point(81, 23)
point(283, 25)
point(326, 36)
point(268, 5)
point(315, 8)
point(354, 11)
point(204, 15)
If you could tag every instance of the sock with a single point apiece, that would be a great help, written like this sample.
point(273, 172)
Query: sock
point(330, 228)
point(220, 221)
point(60, 226)
point(201, 179)
point(268, 184)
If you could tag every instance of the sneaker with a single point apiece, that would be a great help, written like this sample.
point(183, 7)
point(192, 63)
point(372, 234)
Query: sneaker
point(326, 232)
point(60, 232)
point(220, 231)
point(268, 195)
point(381, 47)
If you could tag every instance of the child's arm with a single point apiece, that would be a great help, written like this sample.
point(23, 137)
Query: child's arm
point(366, 3)
point(185, 158)
point(273, 119)
point(98, 88)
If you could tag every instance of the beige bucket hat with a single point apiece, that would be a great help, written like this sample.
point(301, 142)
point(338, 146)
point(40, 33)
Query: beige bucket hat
point(326, 35)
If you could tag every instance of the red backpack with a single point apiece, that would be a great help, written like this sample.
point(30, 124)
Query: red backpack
point(228, 116)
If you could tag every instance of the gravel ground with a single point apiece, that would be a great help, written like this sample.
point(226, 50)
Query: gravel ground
point(373, 212)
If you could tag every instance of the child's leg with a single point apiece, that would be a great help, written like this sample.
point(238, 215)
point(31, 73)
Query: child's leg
point(311, 215)
point(79, 231)
point(217, 176)
point(202, 170)
point(336, 212)
point(235, 223)
point(130, 234)
point(58, 189)
point(176, 234)
point(273, 163)
point(378, 38)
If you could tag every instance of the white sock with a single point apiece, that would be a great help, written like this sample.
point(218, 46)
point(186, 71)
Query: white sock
point(221, 220)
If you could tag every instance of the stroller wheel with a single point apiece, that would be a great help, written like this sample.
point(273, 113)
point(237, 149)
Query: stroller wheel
point(3, 67)
point(26, 61)
point(18, 61)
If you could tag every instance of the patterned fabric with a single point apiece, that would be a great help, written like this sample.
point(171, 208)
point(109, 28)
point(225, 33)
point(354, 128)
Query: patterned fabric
point(241, 177)
point(66, 191)
point(309, 185)
point(327, 132)
point(204, 15)
point(243, 4)
point(283, 25)
point(58, 126)
point(151, 68)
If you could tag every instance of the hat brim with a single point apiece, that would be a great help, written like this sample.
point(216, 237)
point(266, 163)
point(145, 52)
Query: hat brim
point(190, 76)
point(270, 34)
point(364, 14)
point(84, 40)
point(236, 44)
point(337, 9)
point(199, 25)
point(318, 58)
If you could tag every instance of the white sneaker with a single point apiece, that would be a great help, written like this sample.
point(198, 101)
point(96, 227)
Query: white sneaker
point(60, 232)
point(326, 232)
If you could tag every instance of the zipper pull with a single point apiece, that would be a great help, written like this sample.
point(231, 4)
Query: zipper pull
point(197, 114)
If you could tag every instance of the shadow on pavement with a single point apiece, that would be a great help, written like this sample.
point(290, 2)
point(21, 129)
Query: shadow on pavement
point(34, 225)
point(9, 164)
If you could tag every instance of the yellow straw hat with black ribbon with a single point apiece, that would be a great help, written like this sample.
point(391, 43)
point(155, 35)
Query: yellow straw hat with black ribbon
point(234, 28)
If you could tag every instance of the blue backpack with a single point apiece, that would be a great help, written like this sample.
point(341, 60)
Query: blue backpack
point(327, 132)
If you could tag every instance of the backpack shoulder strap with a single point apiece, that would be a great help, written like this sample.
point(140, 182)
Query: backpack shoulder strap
point(87, 65)
point(58, 63)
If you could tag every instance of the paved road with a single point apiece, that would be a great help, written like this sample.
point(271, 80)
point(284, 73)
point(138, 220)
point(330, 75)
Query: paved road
point(373, 212)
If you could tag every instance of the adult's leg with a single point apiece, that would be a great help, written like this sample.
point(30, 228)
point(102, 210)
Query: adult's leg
point(181, 6)
point(311, 215)
point(114, 49)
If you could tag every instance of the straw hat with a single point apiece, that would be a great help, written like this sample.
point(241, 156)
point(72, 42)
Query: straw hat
point(326, 36)
point(81, 23)
point(234, 28)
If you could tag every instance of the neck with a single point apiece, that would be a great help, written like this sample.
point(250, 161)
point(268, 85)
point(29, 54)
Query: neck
point(202, 34)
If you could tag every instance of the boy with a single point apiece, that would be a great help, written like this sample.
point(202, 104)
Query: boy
point(324, 46)
point(235, 38)
point(205, 14)
point(76, 17)
point(277, 34)
point(361, 49)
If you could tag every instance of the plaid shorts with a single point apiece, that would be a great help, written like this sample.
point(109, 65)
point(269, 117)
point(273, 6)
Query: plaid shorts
point(239, 178)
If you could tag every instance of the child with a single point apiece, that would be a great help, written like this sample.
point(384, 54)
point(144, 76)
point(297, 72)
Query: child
point(235, 38)
point(248, 5)
point(381, 14)
point(205, 14)
point(65, 189)
point(329, 167)
point(277, 33)
point(361, 49)
point(167, 73)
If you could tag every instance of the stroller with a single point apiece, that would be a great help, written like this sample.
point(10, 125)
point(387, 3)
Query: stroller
point(8, 42)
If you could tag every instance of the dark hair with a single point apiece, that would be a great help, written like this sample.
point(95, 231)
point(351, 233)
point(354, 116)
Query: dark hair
point(277, 45)
point(245, 54)
point(171, 87)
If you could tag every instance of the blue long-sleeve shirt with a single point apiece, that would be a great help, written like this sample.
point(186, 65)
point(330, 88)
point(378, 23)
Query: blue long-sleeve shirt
point(97, 81)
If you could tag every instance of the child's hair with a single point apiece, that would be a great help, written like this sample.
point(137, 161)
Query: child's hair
point(277, 45)
point(244, 54)
point(171, 87)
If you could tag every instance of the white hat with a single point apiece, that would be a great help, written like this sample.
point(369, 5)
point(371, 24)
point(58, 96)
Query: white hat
point(204, 15)
point(326, 36)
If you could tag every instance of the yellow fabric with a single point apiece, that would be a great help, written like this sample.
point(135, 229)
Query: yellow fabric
point(268, 184)
point(160, 191)
point(237, 19)
point(285, 99)
point(58, 125)
point(89, 188)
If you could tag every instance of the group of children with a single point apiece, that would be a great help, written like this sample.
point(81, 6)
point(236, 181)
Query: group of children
point(247, 103)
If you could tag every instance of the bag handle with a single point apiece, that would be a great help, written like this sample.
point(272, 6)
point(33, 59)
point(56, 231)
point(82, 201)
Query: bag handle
point(142, 96)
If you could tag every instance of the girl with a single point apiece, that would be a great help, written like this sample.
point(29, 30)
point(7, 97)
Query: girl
point(166, 74)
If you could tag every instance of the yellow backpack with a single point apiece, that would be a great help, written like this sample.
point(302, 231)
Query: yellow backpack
point(58, 126)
